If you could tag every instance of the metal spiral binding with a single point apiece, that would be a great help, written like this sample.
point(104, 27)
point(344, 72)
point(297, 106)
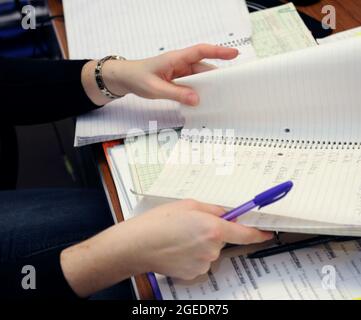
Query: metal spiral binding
point(237, 42)
point(274, 143)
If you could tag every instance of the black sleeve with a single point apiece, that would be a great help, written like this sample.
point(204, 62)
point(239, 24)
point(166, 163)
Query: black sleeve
point(40, 91)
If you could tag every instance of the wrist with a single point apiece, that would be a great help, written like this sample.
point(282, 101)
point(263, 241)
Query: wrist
point(113, 78)
point(90, 85)
point(102, 261)
point(136, 245)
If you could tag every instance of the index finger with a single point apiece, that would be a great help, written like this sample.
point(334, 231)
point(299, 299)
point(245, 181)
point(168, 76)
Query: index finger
point(199, 52)
point(238, 234)
point(204, 207)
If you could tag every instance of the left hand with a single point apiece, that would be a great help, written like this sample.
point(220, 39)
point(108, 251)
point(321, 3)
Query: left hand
point(152, 78)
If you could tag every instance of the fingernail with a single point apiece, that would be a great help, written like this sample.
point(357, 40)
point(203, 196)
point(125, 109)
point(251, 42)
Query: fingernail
point(192, 99)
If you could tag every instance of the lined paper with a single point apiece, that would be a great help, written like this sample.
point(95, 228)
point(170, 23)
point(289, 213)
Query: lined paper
point(311, 94)
point(141, 28)
point(147, 156)
point(327, 182)
point(278, 30)
point(314, 94)
point(128, 116)
point(138, 29)
point(146, 159)
point(269, 222)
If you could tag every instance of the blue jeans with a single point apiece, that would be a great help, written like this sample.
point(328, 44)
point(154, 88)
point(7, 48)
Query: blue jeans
point(36, 225)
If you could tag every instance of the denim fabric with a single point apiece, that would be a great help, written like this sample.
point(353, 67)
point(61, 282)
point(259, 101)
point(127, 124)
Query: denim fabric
point(40, 223)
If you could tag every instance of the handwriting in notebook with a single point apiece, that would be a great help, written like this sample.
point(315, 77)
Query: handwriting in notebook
point(147, 156)
point(279, 30)
point(301, 126)
point(334, 173)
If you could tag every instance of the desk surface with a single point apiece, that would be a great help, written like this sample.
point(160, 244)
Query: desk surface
point(348, 15)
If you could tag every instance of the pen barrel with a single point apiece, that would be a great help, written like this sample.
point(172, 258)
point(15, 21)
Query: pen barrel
point(237, 212)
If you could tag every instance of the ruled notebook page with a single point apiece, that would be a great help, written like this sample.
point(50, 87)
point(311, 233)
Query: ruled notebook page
point(120, 117)
point(310, 94)
point(327, 183)
point(315, 94)
point(138, 29)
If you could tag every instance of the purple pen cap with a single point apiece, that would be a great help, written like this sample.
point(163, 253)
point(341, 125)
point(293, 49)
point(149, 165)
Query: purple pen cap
point(272, 195)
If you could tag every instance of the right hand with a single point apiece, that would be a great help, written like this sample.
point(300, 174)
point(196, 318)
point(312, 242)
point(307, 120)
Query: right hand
point(183, 238)
point(180, 239)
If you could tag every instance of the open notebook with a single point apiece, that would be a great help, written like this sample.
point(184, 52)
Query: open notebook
point(293, 117)
point(138, 29)
point(136, 165)
point(113, 27)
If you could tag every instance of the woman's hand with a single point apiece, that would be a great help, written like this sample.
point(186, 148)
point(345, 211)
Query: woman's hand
point(180, 239)
point(152, 78)
point(183, 238)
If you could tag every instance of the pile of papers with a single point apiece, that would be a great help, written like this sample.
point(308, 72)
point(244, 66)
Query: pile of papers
point(300, 275)
point(275, 31)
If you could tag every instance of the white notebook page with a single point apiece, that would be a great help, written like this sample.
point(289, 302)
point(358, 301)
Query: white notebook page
point(314, 92)
point(327, 183)
point(123, 116)
point(142, 28)
point(351, 33)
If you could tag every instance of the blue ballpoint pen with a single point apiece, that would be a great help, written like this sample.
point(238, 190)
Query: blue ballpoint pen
point(154, 285)
point(263, 199)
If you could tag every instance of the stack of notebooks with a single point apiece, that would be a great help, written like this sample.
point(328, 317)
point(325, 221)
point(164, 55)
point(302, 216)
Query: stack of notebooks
point(286, 109)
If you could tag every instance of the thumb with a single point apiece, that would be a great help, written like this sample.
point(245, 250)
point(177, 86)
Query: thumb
point(238, 234)
point(168, 90)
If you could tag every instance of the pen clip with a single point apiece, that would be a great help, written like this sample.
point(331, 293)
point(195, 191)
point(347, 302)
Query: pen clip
point(273, 195)
point(273, 200)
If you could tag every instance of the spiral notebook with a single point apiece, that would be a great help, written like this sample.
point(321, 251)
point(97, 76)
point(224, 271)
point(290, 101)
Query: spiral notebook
point(290, 117)
point(137, 29)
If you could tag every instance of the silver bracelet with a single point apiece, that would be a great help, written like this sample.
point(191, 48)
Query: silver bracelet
point(99, 77)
